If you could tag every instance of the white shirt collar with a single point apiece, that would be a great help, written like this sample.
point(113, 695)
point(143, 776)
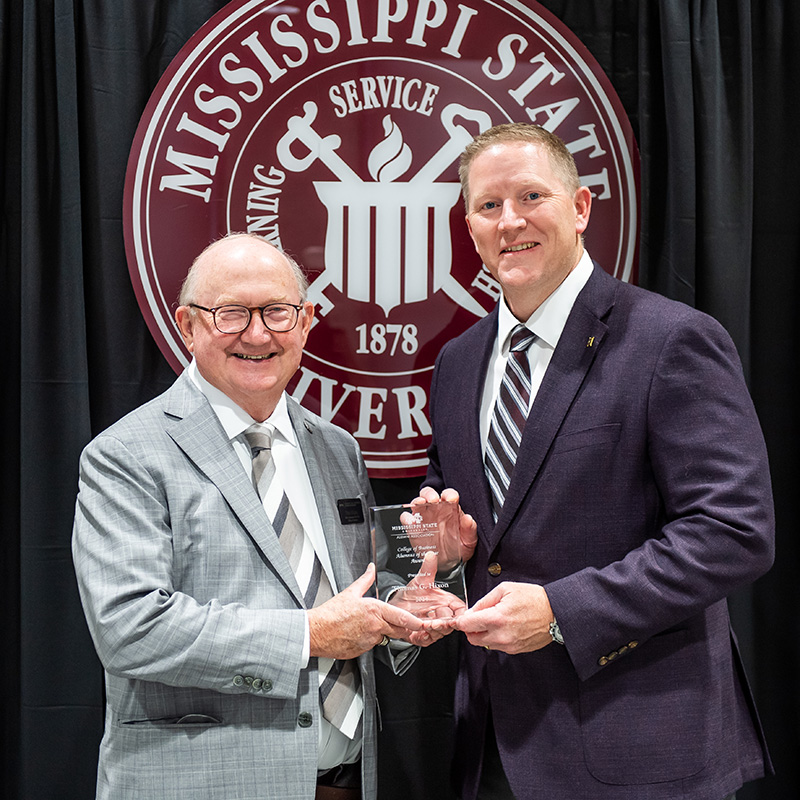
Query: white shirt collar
point(234, 419)
point(548, 321)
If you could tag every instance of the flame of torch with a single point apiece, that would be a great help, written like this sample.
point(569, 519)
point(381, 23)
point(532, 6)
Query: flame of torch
point(391, 157)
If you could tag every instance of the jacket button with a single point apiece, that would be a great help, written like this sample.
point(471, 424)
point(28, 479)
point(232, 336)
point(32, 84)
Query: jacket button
point(257, 683)
point(603, 661)
point(238, 680)
point(305, 720)
point(633, 644)
point(266, 686)
point(495, 569)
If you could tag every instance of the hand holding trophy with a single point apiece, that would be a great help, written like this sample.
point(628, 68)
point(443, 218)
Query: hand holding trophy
point(420, 549)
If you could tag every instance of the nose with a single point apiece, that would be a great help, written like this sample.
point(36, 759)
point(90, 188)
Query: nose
point(510, 218)
point(256, 331)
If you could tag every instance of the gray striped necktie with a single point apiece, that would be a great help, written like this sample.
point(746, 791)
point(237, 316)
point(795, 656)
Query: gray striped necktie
point(339, 680)
point(509, 417)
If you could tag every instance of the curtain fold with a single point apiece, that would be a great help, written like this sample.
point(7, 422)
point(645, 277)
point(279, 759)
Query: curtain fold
point(697, 137)
point(54, 423)
point(774, 371)
point(10, 105)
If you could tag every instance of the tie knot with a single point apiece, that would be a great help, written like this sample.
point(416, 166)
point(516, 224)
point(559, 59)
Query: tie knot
point(258, 438)
point(521, 338)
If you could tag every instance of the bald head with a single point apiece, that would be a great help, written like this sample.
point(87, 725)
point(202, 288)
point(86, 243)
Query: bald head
point(225, 253)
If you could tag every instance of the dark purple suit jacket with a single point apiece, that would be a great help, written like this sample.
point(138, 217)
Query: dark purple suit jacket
point(640, 500)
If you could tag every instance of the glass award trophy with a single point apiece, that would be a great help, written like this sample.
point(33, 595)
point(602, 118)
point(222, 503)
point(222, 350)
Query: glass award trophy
point(417, 550)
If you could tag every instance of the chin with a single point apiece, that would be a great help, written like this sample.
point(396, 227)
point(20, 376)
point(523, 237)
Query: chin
point(519, 276)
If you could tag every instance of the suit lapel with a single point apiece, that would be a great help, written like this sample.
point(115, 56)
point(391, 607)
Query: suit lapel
point(316, 456)
point(195, 428)
point(577, 348)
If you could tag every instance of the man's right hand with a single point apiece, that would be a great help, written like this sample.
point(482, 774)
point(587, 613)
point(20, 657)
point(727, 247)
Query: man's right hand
point(349, 624)
point(436, 607)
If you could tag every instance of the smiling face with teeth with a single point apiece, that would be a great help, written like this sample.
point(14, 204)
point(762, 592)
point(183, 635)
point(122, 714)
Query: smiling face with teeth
point(525, 223)
point(252, 367)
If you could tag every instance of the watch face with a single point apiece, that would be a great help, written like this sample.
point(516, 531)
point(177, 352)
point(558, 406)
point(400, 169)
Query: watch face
point(555, 633)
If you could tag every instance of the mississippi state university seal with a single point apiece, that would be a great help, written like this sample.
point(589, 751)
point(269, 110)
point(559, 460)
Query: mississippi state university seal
point(333, 129)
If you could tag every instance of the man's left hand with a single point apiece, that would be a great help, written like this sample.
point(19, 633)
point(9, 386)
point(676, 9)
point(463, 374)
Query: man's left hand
point(468, 528)
point(513, 618)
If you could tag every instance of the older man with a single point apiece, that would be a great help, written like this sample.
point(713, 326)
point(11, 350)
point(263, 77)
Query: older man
point(604, 441)
point(222, 556)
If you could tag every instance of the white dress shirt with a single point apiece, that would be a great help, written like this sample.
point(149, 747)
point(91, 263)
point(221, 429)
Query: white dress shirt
point(547, 322)
point(334, 747)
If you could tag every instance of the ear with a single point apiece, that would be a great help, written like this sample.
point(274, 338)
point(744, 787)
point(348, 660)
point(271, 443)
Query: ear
point(471, 234)
point(583, 208)
point(184, 318)
point(307, 319)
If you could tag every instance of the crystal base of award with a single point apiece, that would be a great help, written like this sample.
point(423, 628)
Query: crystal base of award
point(417, 550)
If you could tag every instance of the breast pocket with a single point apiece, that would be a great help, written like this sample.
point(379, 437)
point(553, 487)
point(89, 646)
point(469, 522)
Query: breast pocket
point(591, 437)
point(577, 460)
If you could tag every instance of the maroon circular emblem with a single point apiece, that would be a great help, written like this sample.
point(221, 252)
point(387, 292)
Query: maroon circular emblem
point(333, 129)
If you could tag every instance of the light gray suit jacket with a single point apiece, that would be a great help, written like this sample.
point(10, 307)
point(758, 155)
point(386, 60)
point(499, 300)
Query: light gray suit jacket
point(194, 609)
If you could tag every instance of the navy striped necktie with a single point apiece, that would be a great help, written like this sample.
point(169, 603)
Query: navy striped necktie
point(509, 417)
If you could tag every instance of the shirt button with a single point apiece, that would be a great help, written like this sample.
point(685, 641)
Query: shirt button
point(495, 569)
point(305, 720)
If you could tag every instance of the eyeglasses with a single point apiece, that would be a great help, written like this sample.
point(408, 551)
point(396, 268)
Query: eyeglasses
point(277, 317)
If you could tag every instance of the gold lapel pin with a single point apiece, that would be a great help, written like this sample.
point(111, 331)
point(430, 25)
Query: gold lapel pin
point(590, 342)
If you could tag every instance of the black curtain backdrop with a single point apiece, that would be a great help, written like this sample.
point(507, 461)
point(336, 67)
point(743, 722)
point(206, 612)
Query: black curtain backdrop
point(711, 88)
